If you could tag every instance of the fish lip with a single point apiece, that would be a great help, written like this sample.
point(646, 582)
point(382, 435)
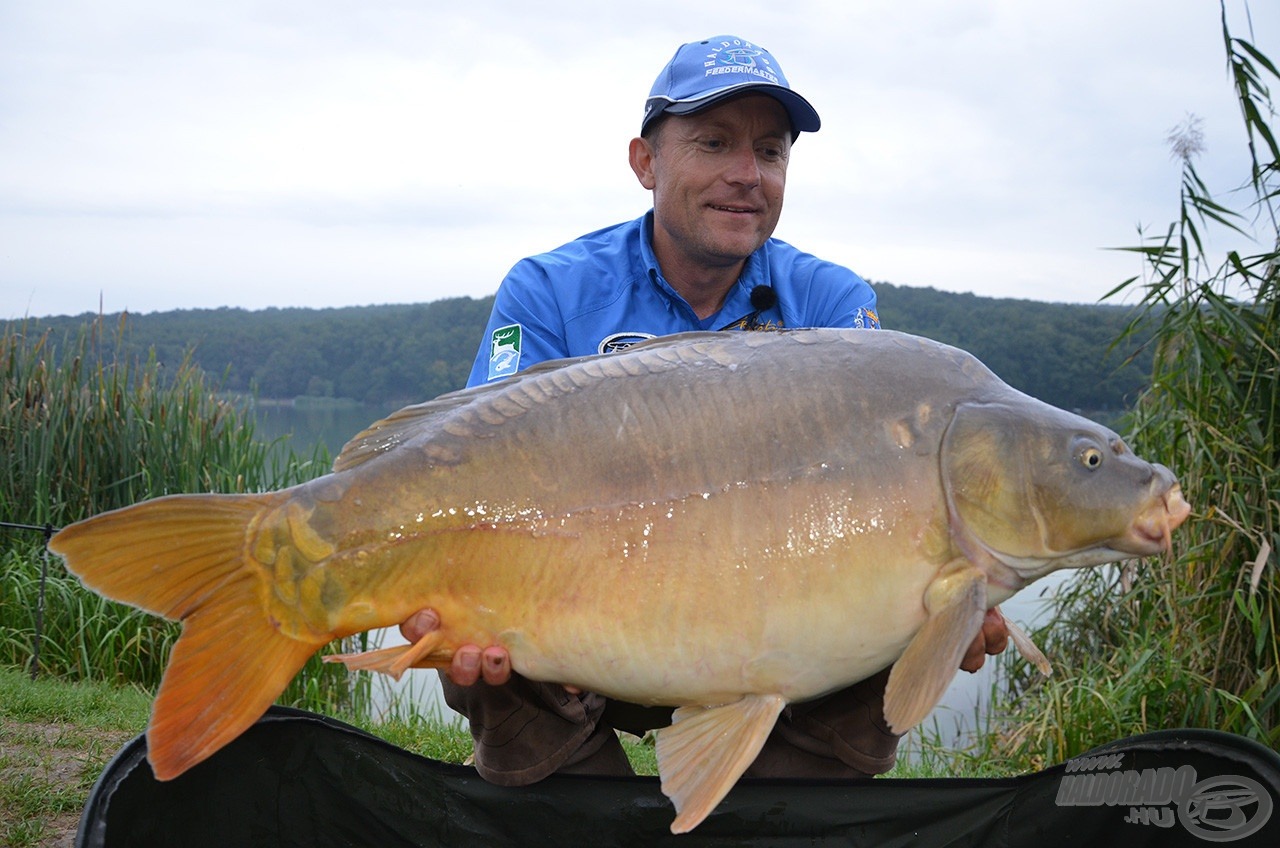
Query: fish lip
point(1177, 506)
point(1147, 539)
point(1152, 531)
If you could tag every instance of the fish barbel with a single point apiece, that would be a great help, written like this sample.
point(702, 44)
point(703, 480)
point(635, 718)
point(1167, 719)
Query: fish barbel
point(719, 522)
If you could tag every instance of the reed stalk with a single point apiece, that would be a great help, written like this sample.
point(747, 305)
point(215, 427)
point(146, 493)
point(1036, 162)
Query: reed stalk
point(1190, 640)
point(86, 428)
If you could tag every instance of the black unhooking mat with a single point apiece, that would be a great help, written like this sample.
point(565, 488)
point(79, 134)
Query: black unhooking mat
point(300, 779)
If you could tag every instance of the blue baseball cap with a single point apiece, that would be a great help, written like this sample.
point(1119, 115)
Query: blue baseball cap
point(703, 73)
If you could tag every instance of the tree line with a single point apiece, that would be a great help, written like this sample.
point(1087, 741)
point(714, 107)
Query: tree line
point(1060, 353)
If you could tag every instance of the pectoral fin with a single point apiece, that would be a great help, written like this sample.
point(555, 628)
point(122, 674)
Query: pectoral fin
point(706, 749)
point(956, 603)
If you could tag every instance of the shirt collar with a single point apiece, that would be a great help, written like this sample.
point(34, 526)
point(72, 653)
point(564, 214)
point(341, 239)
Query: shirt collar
point(647, 256)
point(737, 303)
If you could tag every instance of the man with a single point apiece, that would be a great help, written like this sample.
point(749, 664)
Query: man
point(714, 145)
point(713, 149)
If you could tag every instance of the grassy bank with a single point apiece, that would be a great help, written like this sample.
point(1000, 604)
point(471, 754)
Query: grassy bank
point(56, 736)
point(86, 429)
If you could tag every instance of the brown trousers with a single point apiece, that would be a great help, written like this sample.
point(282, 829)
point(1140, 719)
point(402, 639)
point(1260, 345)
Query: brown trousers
point(526, 730)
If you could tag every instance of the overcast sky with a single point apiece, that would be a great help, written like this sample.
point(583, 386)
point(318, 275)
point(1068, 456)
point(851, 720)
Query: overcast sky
point(167, 154)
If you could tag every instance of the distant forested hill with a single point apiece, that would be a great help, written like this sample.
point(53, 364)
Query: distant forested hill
point(370, 353)
point(1057, 352)
point(408, 353)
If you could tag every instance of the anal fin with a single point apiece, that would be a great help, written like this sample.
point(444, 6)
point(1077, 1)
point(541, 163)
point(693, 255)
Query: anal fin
point(956, 602)
point(706, 749)
point(398, 659)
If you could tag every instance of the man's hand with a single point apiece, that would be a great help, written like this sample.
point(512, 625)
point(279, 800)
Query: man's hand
point(470, 663)
point(991, 639)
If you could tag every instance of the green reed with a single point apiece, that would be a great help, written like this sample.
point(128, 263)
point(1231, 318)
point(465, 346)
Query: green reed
point(86, 428)
point(1190, 640)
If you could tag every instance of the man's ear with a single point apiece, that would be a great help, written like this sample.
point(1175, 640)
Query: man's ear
point(641, 155)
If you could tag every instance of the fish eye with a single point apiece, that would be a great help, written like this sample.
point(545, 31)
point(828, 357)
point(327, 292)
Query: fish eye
point(1090, 458)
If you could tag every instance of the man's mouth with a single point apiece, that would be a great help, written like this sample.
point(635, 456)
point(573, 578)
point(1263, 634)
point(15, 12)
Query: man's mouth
point(738, 210)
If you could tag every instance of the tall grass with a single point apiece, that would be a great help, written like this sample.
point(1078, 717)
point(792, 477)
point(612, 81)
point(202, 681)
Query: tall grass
point(1190, 640)
point(85, 428)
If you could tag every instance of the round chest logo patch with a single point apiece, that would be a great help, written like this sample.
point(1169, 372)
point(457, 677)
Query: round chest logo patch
point(622, 341)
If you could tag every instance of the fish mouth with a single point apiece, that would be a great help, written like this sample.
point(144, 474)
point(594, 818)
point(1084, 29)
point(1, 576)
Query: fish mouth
point(1152, 531)
point(1149, 533)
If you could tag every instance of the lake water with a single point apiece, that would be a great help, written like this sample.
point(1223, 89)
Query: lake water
point(964, 705)
point(962, 708)
point(308, 426)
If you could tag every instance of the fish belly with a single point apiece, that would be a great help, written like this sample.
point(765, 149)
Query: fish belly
point(698, 601)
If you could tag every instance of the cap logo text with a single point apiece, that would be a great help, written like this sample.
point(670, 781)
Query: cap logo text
point(739, 57)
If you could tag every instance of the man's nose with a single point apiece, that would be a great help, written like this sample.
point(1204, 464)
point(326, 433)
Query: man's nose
point(743, 167)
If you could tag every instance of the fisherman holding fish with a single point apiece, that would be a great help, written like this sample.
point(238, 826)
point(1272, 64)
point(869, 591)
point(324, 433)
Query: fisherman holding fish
point(713, 149)
point(750, 527)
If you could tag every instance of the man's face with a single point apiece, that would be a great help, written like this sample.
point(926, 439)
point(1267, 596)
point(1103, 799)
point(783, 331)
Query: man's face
point(717, 178)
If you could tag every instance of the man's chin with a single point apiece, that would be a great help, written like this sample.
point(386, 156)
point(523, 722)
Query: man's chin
point(733, 244)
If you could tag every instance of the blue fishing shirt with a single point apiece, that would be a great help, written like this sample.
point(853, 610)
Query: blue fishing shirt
point(604, 292)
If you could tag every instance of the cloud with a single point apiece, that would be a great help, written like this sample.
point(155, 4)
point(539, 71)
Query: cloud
point(286, 153)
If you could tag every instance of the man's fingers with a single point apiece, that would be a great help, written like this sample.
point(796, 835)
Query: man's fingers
point(495, 665)
point(419, 624)
point(991, 639)
point(464, 669)
point(995, 632)
point(470, 665)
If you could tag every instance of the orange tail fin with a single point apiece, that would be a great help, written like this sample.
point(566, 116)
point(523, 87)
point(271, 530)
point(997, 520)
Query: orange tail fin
point(185, 557)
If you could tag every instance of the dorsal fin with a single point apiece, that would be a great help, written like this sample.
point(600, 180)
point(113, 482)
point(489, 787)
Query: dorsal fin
point(509, 397)
point(384, 435)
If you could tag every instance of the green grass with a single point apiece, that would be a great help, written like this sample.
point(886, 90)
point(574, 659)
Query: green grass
point(83, 636)
point(85, 429)
point(90, 705)
point(1191, 640)
point(55, 738)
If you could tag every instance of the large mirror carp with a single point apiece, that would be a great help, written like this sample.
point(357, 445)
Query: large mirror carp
point(720, 522)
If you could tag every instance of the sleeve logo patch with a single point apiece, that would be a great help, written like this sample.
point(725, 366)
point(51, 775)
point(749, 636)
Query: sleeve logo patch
point(504, 351)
